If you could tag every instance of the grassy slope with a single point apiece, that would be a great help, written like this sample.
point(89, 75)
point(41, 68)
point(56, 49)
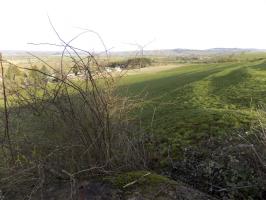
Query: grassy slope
point(201, 100)
point(198, 101)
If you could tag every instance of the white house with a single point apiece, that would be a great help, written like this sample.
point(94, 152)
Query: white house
point(118, 69)
point(71, 75)
point(108, 69)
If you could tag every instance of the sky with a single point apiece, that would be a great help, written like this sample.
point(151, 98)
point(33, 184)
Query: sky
point(129, 24)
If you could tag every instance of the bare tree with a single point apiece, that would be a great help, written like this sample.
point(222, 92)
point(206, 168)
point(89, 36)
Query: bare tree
point(6, 119)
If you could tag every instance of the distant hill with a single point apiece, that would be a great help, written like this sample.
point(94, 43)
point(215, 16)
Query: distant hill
point(159, 52)
point(187, 52)
point(25, 53)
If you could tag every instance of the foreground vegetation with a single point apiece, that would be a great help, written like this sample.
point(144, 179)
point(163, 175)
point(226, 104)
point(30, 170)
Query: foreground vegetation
point(202, 123)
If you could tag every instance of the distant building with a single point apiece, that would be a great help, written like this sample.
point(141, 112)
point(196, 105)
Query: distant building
point(118, 69)
point(71, 75)
point(108, 69)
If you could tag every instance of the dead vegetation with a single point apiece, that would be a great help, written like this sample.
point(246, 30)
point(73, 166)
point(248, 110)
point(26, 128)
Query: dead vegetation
point(66, 130)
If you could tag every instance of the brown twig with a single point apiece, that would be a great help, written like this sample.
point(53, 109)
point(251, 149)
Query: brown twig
point(7, 134)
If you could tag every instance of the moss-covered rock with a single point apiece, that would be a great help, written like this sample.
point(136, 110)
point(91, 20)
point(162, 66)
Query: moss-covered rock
point(135, 185)
point(145, 185)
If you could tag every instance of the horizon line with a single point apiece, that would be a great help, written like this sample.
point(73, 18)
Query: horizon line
point(162, 49)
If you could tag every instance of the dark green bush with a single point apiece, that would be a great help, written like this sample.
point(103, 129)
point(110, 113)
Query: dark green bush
point(229, 169)
point(131, 63)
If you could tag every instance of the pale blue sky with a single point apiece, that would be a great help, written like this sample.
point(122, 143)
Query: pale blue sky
point(197, 24)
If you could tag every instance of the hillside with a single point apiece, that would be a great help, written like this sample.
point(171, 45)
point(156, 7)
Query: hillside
point(201, 100)
point(201, 124)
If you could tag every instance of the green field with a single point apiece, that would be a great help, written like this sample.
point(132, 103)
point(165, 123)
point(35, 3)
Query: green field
point(198, 101)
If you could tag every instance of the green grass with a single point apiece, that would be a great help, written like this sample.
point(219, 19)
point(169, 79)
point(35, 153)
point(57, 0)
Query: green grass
point(194, 102)
point(199, 101)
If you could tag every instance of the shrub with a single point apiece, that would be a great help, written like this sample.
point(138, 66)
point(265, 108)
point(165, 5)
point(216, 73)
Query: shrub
point(68, 129)
point(229, 168)
point(131, 63)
